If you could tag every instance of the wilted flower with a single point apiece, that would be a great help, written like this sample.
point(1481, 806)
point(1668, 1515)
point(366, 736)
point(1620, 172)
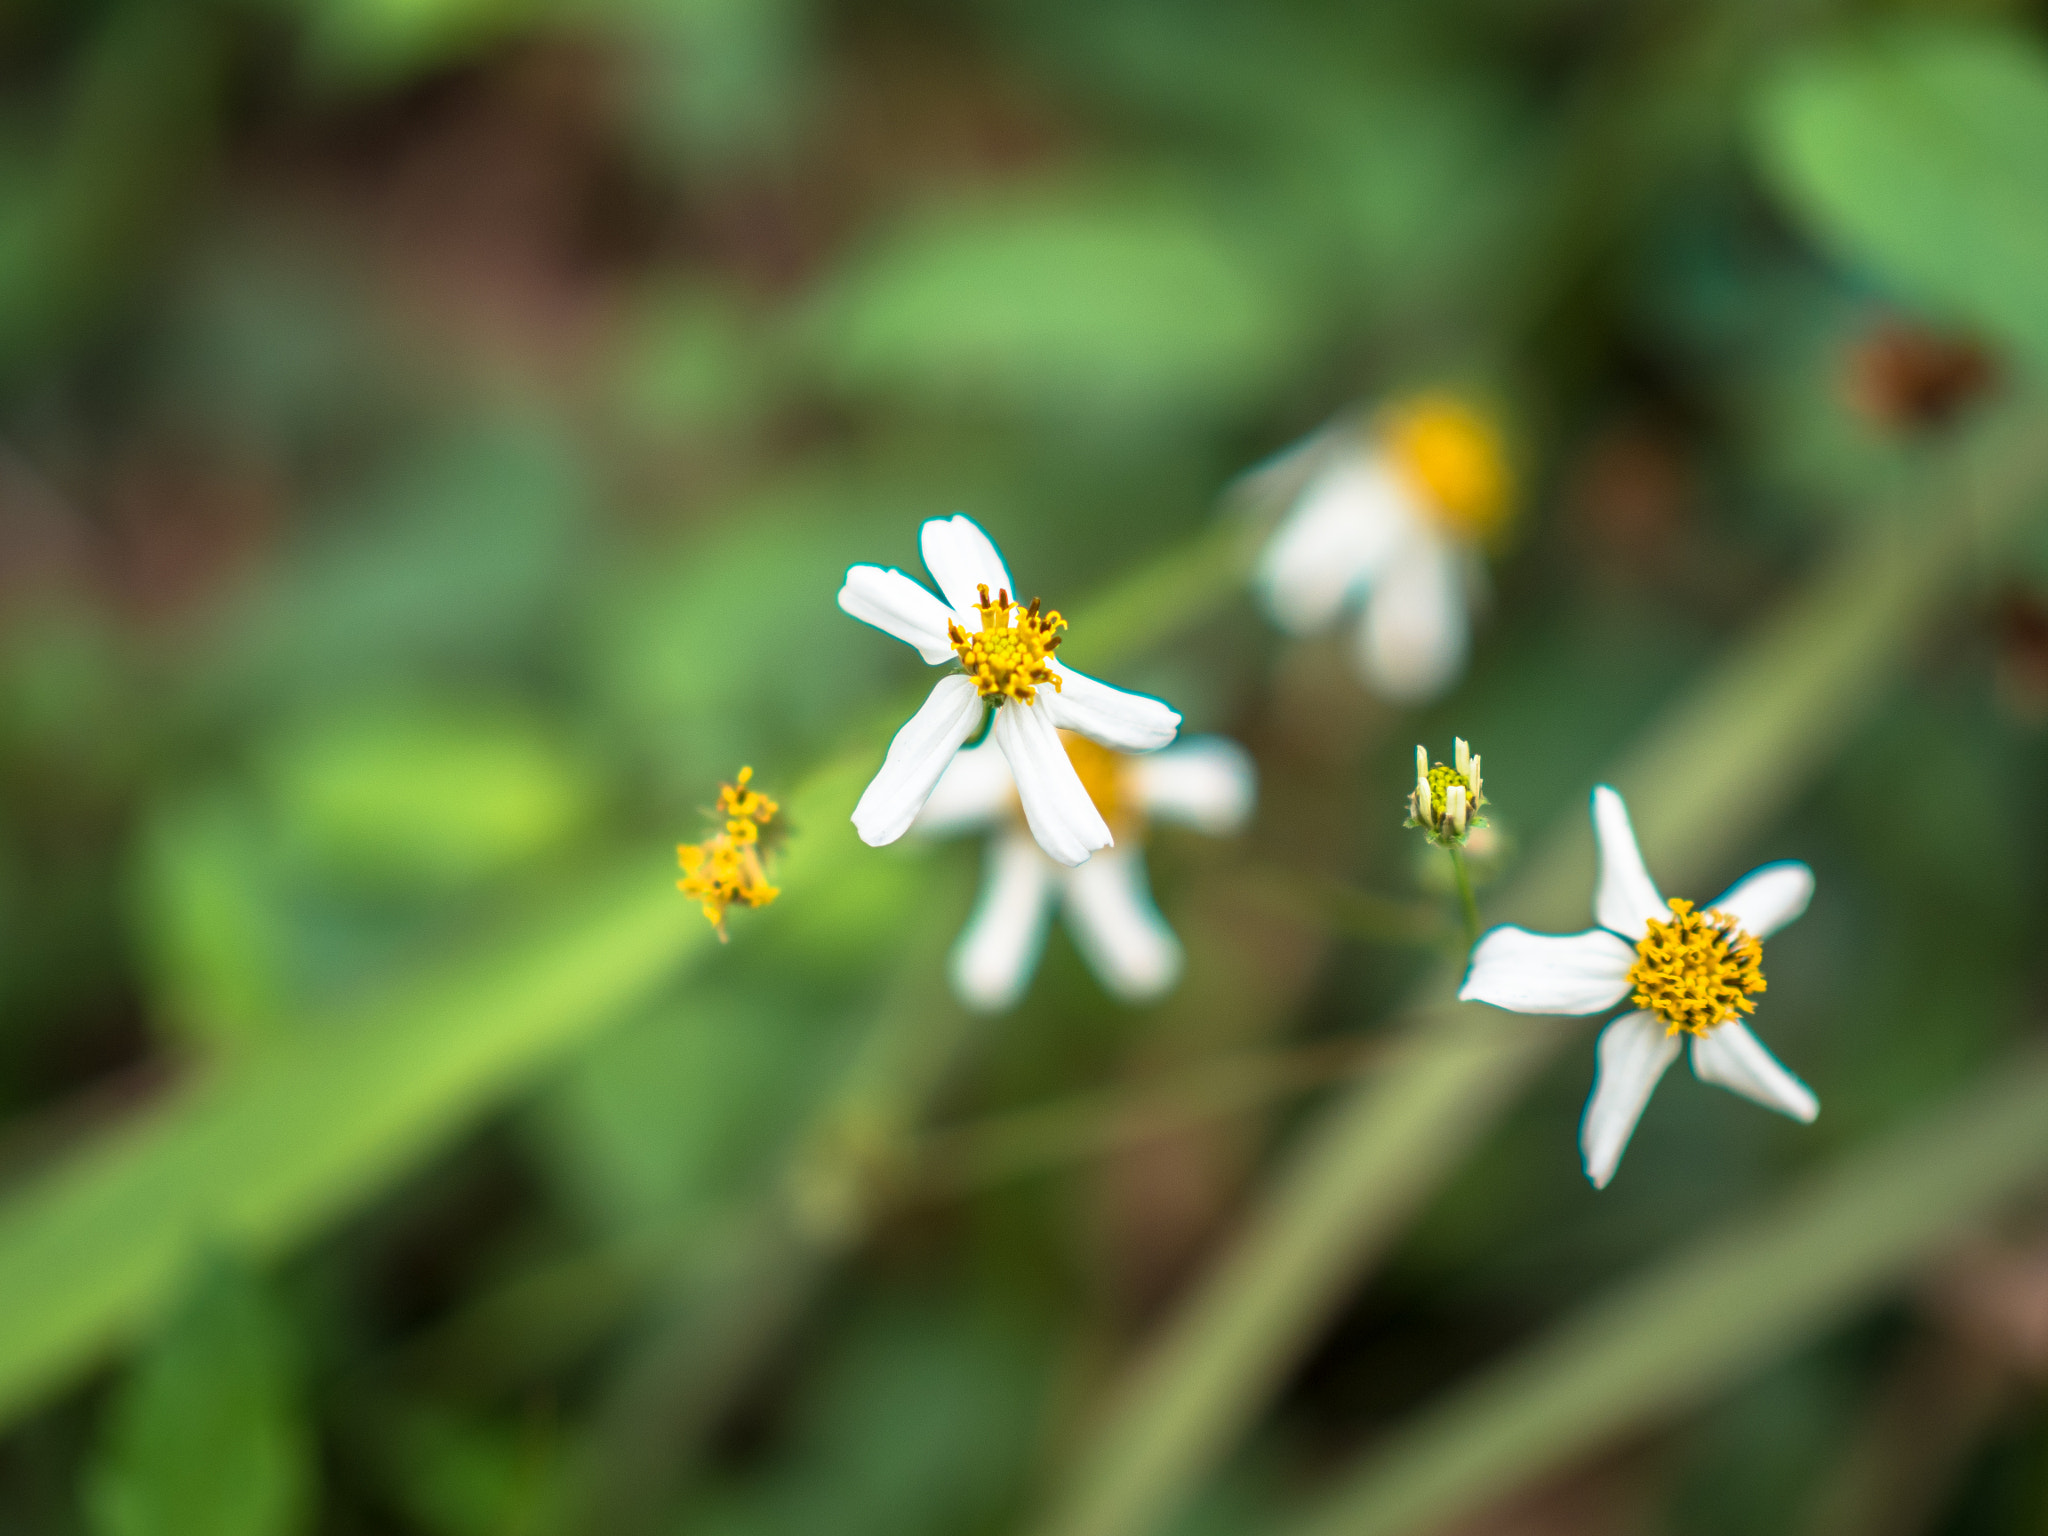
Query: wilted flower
point(727, 867)
point(1006, 650)
point(1692, 972)
point(1206, 782)
point(1446, 799)
point(1392, 519)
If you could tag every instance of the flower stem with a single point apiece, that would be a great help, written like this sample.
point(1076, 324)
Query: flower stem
point(1465, 897)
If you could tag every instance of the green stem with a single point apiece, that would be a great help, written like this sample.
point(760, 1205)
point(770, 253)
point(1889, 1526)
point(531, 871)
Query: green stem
point(1465, 897)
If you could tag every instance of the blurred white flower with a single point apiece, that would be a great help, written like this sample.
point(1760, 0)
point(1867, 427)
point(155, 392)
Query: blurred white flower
point(1007, 651)
point(1391, 521)
point(1206, 782)
point(1692, 973)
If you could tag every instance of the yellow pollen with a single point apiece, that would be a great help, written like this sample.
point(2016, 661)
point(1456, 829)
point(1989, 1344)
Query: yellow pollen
point(1454, 457)
point(1101, 773)
point(1009, 657)
point(726, 867)
point(1697, 971)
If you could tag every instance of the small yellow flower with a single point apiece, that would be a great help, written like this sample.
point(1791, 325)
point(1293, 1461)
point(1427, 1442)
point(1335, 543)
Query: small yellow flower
point(727, 866)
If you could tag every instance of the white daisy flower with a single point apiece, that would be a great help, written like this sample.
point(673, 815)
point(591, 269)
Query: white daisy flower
point(1390, 523)
point(1205, 782)
point(1692, 973)
point(1007, 650)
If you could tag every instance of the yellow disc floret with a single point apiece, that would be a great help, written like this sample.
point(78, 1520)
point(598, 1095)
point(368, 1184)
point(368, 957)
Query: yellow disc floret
point(1697, 971)
point(1011, 653)
point(726, 867)
point(1454, 458)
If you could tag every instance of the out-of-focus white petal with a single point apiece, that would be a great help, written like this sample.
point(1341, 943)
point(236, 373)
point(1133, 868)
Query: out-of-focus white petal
point(975, 789)
point(1734, 1058)
point(1129, 722)
point(1334, 541)
point(1766, 899)
point(1626, 898)
point(1633, 1052)
point(1548, 972)
point(916, 758)
point(1417, 624)
point(1056, 808)
point(961, 558)
point(999, 948)
point(898, 606)
point(1207, 782)
point(1118, 929)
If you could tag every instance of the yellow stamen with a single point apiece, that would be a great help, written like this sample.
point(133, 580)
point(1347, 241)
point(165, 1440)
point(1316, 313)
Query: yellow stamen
point(1454, 458)
point(1010, 655)
point(1697, 971)
point(726, 867)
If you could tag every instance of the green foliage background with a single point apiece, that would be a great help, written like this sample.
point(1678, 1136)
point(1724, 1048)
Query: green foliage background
point(431, 435)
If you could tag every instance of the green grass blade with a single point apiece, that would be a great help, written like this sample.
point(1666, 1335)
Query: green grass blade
point(1696, 1324)
point(269, 1151)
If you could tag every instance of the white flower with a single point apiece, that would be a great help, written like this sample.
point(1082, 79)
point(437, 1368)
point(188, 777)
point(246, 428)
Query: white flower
point(1390, 521)
point(1692, 973)
point(1006, 649)
point(1205, 782)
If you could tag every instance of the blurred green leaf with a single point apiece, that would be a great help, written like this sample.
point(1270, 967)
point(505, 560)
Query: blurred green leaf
point(667, 1122)
point(1920, 156)
point(714, 81)
point(461, 1475)
point(207, 1437)
point(374, 42)
point(1127, 299)
point(922, 1423)
point(451, 550)
point(420, 791)
point(212, 934)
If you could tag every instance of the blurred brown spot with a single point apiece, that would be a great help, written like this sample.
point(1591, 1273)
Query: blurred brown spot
point(1627, 496)
point(1908, 378)
point(180, 524)
point(2021, 635)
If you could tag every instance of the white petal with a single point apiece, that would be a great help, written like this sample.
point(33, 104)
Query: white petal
point(1118, 929)
point(898, 606)
point(1633, 1052)
point(1626, 898)
point(961, 558)
point(1417, 624)
point(1056, 807)
point(975, 789)
point(1333, 541)
point(1734, 1058)
point(1548, 972)
point(918, 755)
point(1208, 782)
point(1766, 899)
point(999, 948)
point(1129, 722)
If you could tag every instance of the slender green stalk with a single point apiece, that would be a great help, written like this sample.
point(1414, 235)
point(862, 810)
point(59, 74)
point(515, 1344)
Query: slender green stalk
point(1726, 759)
point(1466, 899)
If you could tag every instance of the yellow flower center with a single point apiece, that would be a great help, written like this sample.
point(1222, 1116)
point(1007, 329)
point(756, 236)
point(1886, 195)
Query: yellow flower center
point(1453, 456)
point(1441, 778)
point(1101, 773)
point(1008, 658)
point(726, 867)
point(1696, 971)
